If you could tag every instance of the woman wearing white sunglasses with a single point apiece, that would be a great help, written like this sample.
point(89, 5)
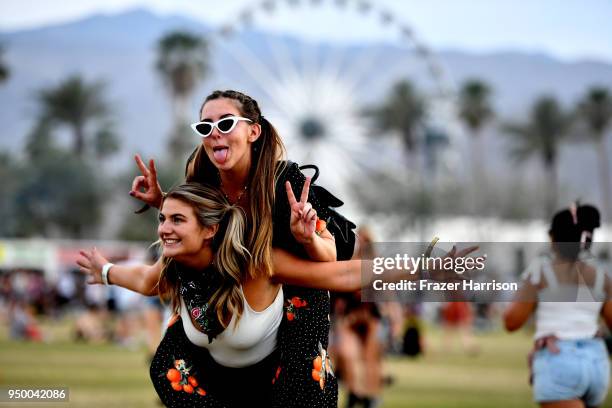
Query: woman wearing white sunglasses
point(241, 153)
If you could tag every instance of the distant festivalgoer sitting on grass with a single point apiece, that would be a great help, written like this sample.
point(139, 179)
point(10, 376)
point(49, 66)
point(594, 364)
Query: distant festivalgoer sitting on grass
point(23, 324)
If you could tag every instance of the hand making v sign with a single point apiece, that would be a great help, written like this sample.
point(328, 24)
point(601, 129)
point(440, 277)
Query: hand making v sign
point(303, 217)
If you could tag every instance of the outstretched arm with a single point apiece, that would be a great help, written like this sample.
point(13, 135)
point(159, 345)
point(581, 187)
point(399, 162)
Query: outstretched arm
point(341, 276)
point(345, 276)
point(138, 278)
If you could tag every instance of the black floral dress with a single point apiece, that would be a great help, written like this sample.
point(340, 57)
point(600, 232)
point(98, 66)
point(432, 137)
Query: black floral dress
point(304, 377)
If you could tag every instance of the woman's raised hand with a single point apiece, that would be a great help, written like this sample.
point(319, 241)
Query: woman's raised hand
point(91, 263)
point(152, 192)
point(443, 274)
point(303, 220)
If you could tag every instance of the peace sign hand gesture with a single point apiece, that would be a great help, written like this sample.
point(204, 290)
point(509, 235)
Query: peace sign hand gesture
point(303, 221)
point(152, 194)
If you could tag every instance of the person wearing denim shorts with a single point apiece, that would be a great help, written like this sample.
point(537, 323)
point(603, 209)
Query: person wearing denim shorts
point(580, 369)
point(569, 363)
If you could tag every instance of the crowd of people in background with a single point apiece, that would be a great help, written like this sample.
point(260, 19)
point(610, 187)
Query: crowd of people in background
point(96, 314)
point(362, 333)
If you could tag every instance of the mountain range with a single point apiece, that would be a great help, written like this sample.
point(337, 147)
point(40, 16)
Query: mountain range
point(120, 49)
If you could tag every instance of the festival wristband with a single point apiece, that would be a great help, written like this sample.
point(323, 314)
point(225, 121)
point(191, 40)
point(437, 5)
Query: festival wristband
point(105, 270)
point(431, 246)
point(425, 272)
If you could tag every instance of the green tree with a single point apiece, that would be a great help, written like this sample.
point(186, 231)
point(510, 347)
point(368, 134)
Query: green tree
point(595, 110)
point(412, 206)
point(58, 195)
point(475, 111)
point(73, 103)
point(106, 142)
point(39, 142)
point(546, 128)
point(4, 70)
point(61, 192)
point(403, 112)
point(10, 176)
point(182, 63)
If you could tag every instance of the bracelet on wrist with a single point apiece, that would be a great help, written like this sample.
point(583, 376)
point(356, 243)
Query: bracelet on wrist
point(104, 273)
point(424, 271)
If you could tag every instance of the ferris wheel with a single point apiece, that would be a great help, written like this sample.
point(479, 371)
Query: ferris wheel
point(315, 92)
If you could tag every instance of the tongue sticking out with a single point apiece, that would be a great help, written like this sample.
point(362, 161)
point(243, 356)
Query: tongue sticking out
point(220, 155)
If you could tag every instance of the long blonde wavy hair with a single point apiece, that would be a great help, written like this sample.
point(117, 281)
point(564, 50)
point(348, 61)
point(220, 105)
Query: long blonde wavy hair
point(230, 255)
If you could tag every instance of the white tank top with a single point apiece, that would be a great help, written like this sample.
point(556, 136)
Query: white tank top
point(566, 320)
point(252, 340)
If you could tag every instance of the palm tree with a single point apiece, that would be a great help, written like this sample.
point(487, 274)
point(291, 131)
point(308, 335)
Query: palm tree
point(39, 142)
point(182, 63)
point(475, 111)
point(595, 110)
point(4, 71)
point(58, 193)
point(541, 135)
point(403, 112)
point(74, 103)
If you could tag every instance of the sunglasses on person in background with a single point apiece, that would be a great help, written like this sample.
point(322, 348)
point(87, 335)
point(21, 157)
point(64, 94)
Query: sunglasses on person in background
point(224, 125)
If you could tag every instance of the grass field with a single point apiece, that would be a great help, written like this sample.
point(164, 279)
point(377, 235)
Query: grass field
point(112, 376)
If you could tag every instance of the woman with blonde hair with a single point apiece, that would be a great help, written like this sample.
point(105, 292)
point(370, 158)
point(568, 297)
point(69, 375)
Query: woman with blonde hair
point(218, 339)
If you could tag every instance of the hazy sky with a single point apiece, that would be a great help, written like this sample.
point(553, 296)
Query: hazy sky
point(567, 29)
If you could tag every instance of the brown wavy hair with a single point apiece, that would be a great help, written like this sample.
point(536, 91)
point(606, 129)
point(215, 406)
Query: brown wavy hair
point(266, 153)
